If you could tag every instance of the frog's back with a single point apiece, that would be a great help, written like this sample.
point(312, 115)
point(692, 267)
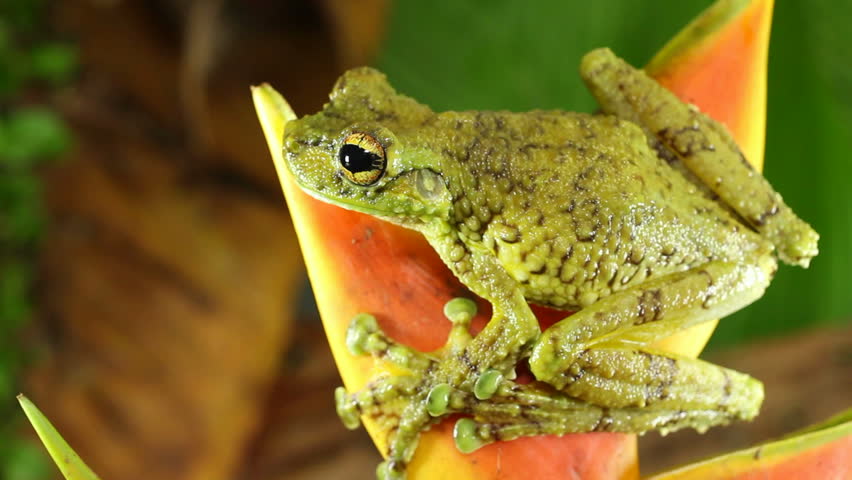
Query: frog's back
point(578, 206)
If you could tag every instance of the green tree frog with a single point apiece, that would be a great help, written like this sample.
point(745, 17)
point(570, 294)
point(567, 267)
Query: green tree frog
point(644, 219)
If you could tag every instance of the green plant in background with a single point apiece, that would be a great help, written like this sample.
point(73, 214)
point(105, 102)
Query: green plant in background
point(502, 54)
point(30, 135)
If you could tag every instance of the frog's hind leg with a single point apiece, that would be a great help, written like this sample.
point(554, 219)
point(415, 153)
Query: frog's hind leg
point(705, 148)
point(601, 355)
point(401, 405)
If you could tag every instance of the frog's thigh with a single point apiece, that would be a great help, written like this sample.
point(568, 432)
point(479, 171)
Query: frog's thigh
point(648, 312)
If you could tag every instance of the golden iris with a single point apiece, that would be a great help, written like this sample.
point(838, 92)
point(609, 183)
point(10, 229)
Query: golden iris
point(362, 158)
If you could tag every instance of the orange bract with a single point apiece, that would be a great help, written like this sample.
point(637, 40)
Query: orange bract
point(821, 452)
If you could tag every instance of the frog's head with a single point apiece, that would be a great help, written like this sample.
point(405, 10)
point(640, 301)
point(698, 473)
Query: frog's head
point(364, 152)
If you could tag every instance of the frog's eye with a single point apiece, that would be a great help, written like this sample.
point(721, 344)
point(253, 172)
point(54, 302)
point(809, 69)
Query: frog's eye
point(362, 158)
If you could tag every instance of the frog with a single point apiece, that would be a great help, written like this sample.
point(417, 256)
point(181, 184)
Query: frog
point(643, 219)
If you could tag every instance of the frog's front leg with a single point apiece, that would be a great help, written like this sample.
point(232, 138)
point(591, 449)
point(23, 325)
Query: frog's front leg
point(469, 375)
point(513, 327)
point(601, 354)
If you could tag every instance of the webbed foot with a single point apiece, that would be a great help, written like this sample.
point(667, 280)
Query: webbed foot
point(422, 389)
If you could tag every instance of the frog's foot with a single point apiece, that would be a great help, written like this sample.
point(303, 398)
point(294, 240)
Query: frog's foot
point(419, 389)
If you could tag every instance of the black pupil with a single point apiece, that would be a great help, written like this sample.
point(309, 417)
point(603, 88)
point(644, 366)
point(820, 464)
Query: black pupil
point(356, 159)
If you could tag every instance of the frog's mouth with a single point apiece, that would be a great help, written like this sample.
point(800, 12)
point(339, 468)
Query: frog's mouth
point(343, 198)
point(407, 199)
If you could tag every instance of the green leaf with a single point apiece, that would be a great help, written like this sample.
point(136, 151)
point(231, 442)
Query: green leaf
point(31, 134)
point(503, 54)
point(20, 203)
point(24, 461)
point(13, 67)
point(21, 14)
point(15, 280)
point(54, 62)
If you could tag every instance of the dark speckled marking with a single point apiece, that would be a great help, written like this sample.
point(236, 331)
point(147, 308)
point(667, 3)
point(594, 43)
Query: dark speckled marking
point(472, 367)
point(760, 220)
point(604, 423)
point(468, 151)
point(571, 206)
point(708, 299)
point(727, 389)
point(650, 307)
point(669, 379)
point(540, 270)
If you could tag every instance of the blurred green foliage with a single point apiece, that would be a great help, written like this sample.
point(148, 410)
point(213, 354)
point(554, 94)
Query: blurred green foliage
point(503, 54)
point(30, 134)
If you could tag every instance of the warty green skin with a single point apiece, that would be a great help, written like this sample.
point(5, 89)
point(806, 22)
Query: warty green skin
point(645, 222)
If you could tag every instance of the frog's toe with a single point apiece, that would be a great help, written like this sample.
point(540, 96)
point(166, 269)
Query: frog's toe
point(460, 312)
point(553, 361)
point(347, 409)
point(466, 436)
point(487, 383)
point(438, 400)
point(364, 337)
